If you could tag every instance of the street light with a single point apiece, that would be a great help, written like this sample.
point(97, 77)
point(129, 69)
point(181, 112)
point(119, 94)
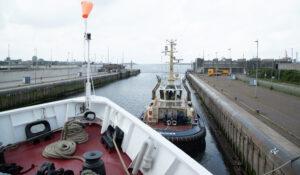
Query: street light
point(256, 68)
point(35, 60)
point(68, 64)
point(229, 52)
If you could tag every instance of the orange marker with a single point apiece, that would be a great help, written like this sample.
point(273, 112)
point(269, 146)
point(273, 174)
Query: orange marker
point(86, 8)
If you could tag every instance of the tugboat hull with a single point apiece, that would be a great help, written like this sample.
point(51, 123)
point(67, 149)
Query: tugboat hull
point(188, 140)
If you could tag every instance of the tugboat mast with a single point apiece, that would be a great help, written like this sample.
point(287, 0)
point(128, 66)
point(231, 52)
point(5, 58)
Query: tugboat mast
point(172, 43)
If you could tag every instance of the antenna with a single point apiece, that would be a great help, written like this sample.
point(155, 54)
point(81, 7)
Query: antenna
point(8, 58)
point(122, 57)
point(8, 51)
point(35, 51)
point(68, 64)
point(108, 55)
point(229, 52)
point(51, 56)
point(286, 55)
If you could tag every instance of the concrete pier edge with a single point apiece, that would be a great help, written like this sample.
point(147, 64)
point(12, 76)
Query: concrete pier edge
point(260, 148)
point(34, 94)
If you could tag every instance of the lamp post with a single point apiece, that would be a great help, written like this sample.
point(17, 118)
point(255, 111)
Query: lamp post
point(107, 55)
point(50, 57)
point(68, 70)
point(8, 57)
point(35, 60)
point(256, 68)
point(229, 52)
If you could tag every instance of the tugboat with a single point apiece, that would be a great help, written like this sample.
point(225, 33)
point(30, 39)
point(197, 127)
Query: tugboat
point(87, 135)
point(171, 112)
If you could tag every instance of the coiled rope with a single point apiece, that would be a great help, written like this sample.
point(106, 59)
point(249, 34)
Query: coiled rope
point(62, 149)
point(72, 133)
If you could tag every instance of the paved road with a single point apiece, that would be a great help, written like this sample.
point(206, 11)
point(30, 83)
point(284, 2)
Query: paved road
point(278, 110)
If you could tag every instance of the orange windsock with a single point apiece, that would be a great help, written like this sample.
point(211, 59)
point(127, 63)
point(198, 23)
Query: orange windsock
point(86, 8)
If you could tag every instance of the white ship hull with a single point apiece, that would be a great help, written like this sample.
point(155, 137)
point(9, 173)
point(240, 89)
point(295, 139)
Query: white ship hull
point(167, 158)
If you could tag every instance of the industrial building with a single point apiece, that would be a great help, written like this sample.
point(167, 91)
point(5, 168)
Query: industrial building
point(227, 66)
point(223, 66)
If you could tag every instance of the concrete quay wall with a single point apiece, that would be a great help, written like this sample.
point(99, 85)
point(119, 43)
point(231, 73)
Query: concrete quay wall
point(260, 148)
point(24, 96)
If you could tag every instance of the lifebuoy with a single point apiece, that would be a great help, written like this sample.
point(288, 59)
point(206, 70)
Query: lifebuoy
point(169, 122)
point(149, 115)
point(174, 122)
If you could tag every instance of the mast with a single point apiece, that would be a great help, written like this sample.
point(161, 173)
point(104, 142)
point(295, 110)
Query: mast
point(86, 9)
point(88, 81)
point(171, 78)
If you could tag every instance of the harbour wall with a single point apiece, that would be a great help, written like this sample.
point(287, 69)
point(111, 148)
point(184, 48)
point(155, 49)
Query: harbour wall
point(33, 94)
point(260, 148)
point(285, 88)
point(43, 72)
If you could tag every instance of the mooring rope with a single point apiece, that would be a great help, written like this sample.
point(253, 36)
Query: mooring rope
point(62, 149)
point(72, 133)
point(119, 155)
point(283, 165)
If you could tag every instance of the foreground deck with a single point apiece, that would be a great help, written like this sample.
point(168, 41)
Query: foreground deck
point(27, 154)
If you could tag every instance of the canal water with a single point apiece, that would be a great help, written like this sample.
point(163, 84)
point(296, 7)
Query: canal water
point(134, 94)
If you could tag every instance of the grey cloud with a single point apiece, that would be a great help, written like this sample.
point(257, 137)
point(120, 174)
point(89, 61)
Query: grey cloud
point(140, 27)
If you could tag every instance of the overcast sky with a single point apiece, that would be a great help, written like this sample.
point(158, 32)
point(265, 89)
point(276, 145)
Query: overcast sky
point(139, 28)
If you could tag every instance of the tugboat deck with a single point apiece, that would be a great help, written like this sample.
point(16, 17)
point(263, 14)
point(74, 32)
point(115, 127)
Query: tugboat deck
point(27, 154)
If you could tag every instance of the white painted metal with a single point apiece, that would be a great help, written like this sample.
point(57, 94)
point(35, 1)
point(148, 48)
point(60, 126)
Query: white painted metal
point(167, 158)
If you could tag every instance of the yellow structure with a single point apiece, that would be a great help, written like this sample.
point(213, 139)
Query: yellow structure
point(225, 72)
point(211, 72)
point(214, 72)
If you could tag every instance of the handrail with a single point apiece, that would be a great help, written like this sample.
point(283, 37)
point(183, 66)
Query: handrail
point(187, 90)
point(156, 87)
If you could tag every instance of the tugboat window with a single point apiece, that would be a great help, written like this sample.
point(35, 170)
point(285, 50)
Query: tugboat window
point(170, 95)
point(162, 95)
point(178, 94)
